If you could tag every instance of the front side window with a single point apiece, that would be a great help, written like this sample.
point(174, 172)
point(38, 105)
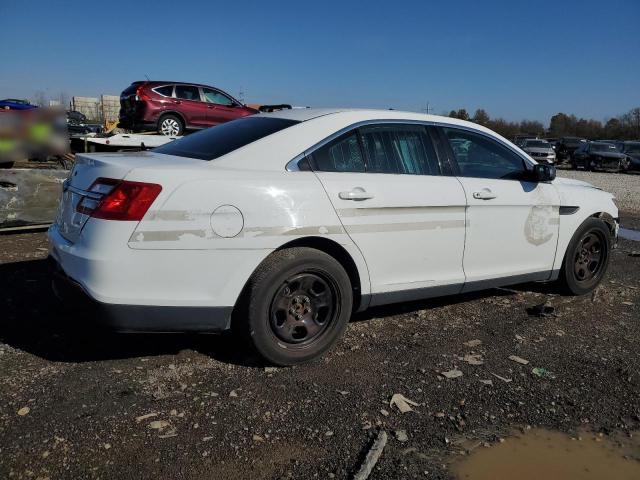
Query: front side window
point(399, 149)
point(213, 96)
point(479, 156)
point(188, 92)
point(340, 155)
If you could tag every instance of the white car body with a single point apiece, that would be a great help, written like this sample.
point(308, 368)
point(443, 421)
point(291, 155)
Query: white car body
point(185, 264)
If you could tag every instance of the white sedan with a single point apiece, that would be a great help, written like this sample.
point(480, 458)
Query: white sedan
point(282, 225)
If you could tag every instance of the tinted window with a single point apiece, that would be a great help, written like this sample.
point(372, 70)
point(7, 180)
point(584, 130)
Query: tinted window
point(188, 92)
point(480, 156)
point(131, 89)
point(399, 149)
point(213, 96)
point(216, 141)
point(340, 155)
point(167, 90)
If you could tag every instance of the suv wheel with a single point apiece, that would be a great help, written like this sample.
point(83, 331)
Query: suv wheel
point(295, 307)
point(170, 125)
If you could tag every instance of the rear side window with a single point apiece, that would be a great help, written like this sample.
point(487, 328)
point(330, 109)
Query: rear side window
point(479, 156)
point(399, 149)
point(167, 90)
point(340, 155)
point(188, 92)
point(217, 141)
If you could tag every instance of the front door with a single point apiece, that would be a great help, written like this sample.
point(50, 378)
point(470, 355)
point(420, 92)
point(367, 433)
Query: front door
point(220, 108)
point(406, 218)
point(512, 222)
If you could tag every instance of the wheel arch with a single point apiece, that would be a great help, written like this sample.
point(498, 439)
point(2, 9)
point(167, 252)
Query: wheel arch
point(174, 113)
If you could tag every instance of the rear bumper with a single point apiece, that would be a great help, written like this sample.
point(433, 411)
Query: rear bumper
point(137, 318)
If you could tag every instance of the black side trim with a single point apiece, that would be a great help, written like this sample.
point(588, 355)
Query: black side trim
point(444, 290)
point(568, 210)
point(138, 318)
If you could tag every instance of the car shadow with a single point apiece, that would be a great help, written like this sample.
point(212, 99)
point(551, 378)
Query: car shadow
point(33, 320)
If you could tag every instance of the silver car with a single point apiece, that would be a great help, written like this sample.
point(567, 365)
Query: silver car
point(540, 150)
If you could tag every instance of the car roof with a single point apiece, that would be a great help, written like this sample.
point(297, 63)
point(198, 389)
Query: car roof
point(171, 82)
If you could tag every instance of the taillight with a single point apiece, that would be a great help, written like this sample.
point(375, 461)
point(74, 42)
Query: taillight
point(121, 200)
point(141, 95)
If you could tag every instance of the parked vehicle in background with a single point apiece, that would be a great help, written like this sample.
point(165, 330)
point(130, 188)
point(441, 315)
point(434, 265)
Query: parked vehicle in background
point(540, 151)
point(632, 151)
point(566, 147)
point(16, 104)
point(521, 138)
point(553, 142)
point(619, 144)
point(281, 225)
point(599, 156)
point(78, 124)
point(173, 107)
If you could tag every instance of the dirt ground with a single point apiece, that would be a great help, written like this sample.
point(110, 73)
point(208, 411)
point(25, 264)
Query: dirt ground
point(79, 403)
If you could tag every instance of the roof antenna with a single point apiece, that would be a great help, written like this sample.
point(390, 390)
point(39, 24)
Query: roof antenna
point(147, 77)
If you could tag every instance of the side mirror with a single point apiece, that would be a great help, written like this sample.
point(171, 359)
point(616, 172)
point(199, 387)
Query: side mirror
point(544, 173)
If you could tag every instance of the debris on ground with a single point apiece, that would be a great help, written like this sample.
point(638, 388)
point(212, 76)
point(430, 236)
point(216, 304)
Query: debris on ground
point(24, 411)
point(486, 382)
point(372, 457)
point(520, 360)
point(159, 425)
point(401, 435)
point(473, 343)
point(473, 359)
point(541, 310)
point(455, 373)
point(504, 379)
point(402, 403)
point(542, 372)
point(144, 417)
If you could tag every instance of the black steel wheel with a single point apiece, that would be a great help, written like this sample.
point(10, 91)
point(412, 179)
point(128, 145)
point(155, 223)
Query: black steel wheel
point(295, 307)
point(587, 257)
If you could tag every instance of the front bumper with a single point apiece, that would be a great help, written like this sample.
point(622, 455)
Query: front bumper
point(136, 318)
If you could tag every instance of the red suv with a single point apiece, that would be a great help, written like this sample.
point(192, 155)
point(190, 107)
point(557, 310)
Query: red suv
point(173, 107)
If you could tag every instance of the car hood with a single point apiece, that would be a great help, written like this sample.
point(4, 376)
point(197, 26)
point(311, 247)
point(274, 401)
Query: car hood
point(561, 181)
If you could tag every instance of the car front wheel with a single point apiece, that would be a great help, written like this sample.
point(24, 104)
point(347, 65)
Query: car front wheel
point(295, 307)
point(170, 125)
point(587, 257)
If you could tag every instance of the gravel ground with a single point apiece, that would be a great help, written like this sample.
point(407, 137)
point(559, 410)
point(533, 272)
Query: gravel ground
point(76, 403)
point(625, 187)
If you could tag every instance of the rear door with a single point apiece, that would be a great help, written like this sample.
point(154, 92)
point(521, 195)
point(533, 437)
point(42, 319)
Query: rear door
point(407, 219)
point(220, 107)
point(190, 105)
point(512, 222)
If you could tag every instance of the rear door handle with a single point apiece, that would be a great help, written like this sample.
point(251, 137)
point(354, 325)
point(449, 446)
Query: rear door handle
point(356, 194)
point(484, 194)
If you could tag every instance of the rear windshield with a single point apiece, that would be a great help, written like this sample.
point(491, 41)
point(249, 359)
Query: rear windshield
point(217, 141)
point(131, 89)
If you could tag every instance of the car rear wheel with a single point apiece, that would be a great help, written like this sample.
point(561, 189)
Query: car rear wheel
point(170, 125)
point(295, 307)
point(587, 257)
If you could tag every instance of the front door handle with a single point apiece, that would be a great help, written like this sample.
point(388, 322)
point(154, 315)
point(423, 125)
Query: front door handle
point(484, 194)
point(356, 194)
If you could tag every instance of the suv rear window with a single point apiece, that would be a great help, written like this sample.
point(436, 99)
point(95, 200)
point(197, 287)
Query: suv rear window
point(131, 89)
point(217, 141)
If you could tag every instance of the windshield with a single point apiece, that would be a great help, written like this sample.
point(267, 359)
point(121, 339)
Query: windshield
point(603, 147)
point(217, 141)
point(537, 144)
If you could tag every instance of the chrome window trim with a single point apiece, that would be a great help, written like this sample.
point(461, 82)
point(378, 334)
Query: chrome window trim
point(292, 165)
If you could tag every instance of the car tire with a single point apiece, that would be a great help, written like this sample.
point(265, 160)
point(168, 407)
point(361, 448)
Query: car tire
point(170, 125)
point(295, 307)
point(587, 257)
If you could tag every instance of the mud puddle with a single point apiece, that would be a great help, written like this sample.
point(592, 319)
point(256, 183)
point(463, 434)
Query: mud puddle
point(548, 455)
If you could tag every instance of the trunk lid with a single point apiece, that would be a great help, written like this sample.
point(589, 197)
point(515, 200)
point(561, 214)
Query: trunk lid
point(87, 169)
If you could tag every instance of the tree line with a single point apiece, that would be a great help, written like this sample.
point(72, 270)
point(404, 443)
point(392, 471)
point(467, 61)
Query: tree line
point(623, 127)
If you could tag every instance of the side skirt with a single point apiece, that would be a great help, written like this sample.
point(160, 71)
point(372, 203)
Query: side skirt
point(400, 296)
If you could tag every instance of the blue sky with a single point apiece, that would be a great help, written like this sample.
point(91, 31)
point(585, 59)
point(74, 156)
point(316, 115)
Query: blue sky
point(516, 59)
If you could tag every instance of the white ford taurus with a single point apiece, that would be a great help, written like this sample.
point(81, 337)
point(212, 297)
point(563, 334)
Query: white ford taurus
point(281, 225)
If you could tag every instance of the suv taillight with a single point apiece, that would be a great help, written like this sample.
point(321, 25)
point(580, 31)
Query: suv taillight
point(121, 200)
point(141, 96)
